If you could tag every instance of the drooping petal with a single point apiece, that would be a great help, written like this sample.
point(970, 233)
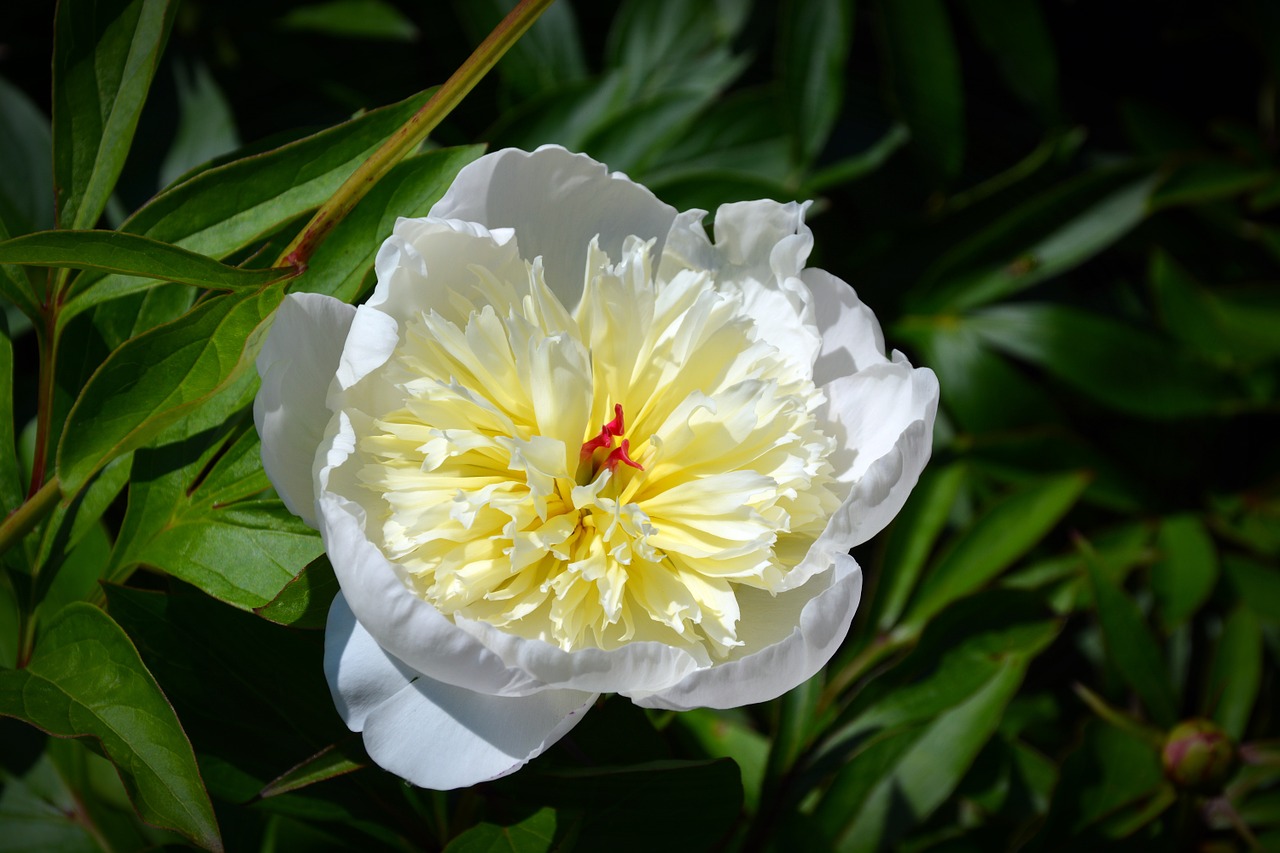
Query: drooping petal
point(851, 336)
point(434, 734)
point(297, 364)
point(558, 201)
point(811, 622)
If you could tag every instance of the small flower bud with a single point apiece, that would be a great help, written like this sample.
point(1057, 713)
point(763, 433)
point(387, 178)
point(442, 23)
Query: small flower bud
point(1198, 756)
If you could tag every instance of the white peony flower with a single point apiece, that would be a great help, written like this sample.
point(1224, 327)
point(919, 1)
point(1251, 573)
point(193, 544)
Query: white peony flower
point(571, 446)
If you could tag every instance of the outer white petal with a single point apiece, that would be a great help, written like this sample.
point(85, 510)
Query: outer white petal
point(557, 201)
point(823, 620)
point(851, 336)
point(886, 414)
point(297, 365)
point(433, 734)
point(469, 654)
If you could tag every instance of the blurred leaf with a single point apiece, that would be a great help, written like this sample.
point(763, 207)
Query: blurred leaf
point(1117, 364)
point(726, 734)
point(1017, 37)
point(26, 182)
point(18, 286)
point(699, 802)
point(251, 694)
point(104, 57)
point(118, 252)
point(912, 537)
point(232, 207)
point(547, 57)
point(925, 71)
point(340, 758)
point(1236, 673)
point(85, 679)
point(11, 491)
point(1059, 237)
point(924, 774)
point(851, 168)
point(1131, 647)
point(1224, 325)
point(206, 126)
point(344, 260)
point(193, 502)
point(534, 834)
point(813, 47)
point(1110, 771)
point(370, 19)
point(664, 44)
point(1000, 536)
point(304, 602)
point(1185, 575)
point(1211, 180)
point(156, 378)
point(1257, 585)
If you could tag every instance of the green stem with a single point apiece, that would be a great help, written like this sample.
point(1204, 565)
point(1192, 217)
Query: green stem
point(411, 134)
point(21, 521)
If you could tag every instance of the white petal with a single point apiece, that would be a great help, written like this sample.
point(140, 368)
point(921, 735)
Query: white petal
point(557, 201)
point(433, 734)
point(886, 413)
point(851, 336)
point(816, 632)
point(297, 364)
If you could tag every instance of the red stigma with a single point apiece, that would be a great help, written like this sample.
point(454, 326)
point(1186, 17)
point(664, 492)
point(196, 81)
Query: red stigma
point(615, 426)
point(601, 442)
point(620, 454)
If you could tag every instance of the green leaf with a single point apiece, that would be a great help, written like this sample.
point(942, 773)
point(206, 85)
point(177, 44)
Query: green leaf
point(19, 286)
point(999, 537)
point(206, 126)
point(1131, 647)
point(534, 834)
point(194, 502)
point(924, 773)
point(1256, 585)
point(547, 57)
point(344, 261)
point(730, 734)
point(1198, 183)
point(335, 760)
point(11, 492)
point(925, 71)
point(912, 537)
point(118, 252)
point(1060, 242)
point(1017, 38)
point(159, 376)
point(85, 679)
point(1117, 364)
point(1227, 326)
point(304, 602)
point(813, 46)
point(104, 56)
point(237, 206)
point(1236, 672)
point(26, 182)
point(370, 19)
point(666, 44)
point(1187, 571)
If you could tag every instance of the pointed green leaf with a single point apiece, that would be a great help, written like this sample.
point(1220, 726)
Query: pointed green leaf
point(1131, 647)
point(813, 47)
point(159, 376)
point(912, 537)
point(534, 834)
point(86, 680)
point(999, 537)
point(119, 252)
point(305, 600)
point(11, 492)
point(1236, 672)
point(1187, 571)
point(206, 125)
point(104, 57)
point(337, 759)
point(1017, 38)
point(371, 19)
point(26, 149)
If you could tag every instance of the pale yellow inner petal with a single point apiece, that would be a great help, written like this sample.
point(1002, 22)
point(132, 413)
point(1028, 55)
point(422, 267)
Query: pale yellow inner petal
point(487, 499)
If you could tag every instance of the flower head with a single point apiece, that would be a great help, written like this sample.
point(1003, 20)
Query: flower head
point(571, 446)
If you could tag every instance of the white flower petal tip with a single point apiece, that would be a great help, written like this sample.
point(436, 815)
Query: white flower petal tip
point(571, 446)
point(297, 364)
point(432, 734)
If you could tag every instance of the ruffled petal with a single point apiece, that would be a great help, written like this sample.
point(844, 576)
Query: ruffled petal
point(851, 336)
point(558, 201)
point(826, 606)
point(433, 734)
point(886, 413)
point(297, 365)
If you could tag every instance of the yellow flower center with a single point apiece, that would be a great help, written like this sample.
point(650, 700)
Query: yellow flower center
point(595, 477)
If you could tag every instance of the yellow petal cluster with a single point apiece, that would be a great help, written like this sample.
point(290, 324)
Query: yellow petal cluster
point(483, 494)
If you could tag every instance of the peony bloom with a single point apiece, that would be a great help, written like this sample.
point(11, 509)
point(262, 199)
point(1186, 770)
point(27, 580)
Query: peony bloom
point(571, 446)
